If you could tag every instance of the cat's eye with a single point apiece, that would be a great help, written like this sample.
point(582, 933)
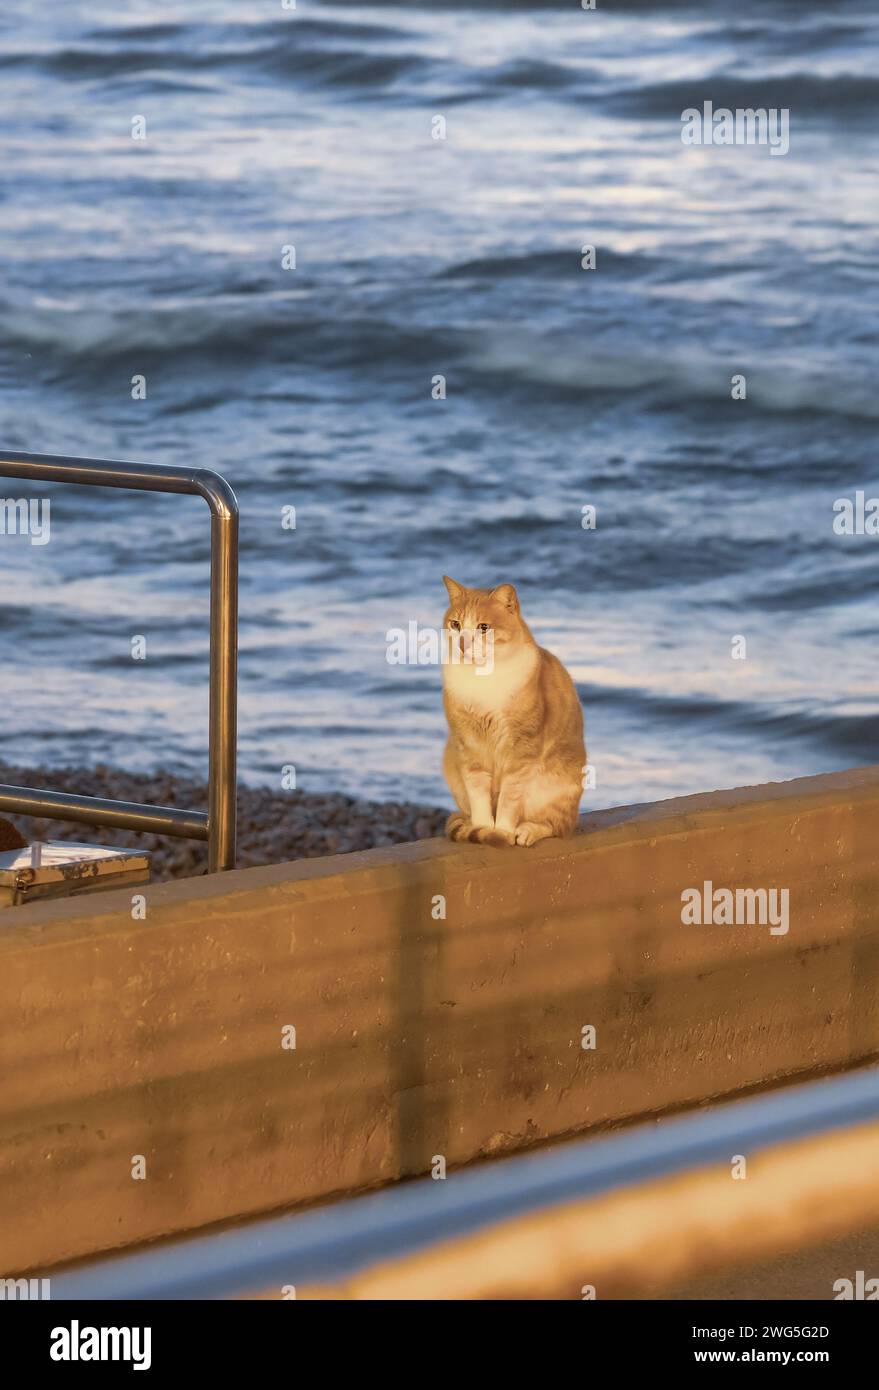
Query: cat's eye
point(482, 627)
point(455, 624)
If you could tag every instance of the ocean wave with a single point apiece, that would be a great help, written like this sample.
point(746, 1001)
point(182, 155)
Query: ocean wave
point(306, 27)
point(295, 57)
point(353, 57)
point(333, 50)
point(90, 338)
point(342, 336)
point(807, 95)
point(706, 9)
point(536, 73)
point(428, 80)
point(821, 34)
point(549, 265)
point(856, 734)
point(330, 66)
point(523, 6)
point(673, 375)
point(343, 68)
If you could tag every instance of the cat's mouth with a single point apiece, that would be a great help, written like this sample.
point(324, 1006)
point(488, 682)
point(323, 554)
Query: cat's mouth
point(474, 649)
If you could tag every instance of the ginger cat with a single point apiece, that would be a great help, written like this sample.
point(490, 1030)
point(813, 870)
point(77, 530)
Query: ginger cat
point(515, 757)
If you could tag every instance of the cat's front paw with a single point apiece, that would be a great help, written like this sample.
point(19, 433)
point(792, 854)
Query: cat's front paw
point(530, 831)
point(491, 835)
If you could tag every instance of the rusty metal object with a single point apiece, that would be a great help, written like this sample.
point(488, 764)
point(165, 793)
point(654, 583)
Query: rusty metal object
point(61, 869)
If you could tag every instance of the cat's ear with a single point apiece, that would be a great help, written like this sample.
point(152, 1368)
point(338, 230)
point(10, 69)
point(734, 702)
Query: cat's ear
point(506, 594)
point(454, 590)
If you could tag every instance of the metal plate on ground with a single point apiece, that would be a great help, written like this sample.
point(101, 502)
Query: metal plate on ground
point(62, 869)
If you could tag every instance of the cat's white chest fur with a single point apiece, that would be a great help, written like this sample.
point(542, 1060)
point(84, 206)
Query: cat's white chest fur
point(495, 689)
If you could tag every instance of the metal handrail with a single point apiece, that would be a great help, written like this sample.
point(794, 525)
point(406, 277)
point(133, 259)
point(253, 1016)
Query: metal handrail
point(218, 826)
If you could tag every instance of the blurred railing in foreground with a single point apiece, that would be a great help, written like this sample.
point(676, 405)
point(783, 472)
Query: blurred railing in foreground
point(627, 1215)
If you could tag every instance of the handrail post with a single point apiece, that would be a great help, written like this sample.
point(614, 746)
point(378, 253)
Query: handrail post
point(223, 718)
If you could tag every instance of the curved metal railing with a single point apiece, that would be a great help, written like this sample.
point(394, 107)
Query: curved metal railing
point(218, 826)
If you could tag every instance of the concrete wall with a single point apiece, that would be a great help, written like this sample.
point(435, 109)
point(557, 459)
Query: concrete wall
point(417, 1036)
